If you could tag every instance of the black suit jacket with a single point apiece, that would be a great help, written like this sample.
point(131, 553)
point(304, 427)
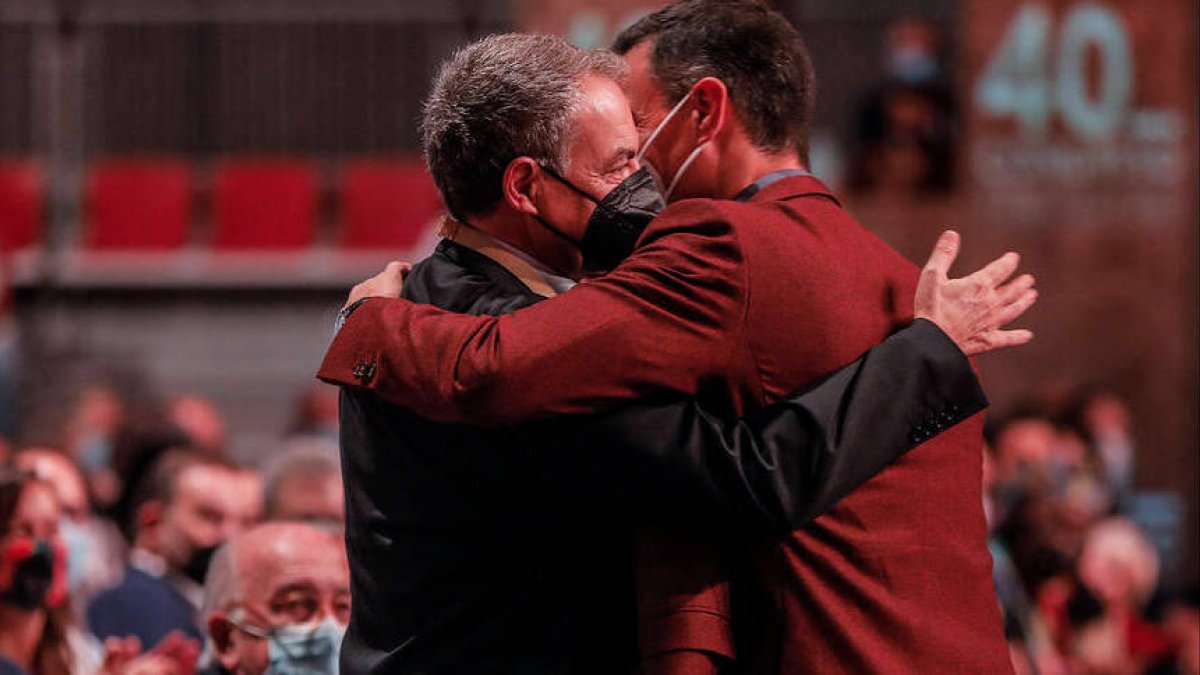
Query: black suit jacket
point(507, 550)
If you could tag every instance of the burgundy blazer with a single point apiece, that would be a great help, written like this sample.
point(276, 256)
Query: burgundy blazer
point(737, 303)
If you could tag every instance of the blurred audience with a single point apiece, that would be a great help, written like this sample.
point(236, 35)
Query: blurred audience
point(185, 506)
point(304, 483)
point(277, 599)
point(90, 438)
point(201, 423)
point(907, 128)
point(1077, 578)
point(1079, 582)
point(35, 619)
point(95, 549)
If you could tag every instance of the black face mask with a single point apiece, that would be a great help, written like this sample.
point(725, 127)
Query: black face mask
point(31, 580)
point(618, 221)
point(197, 565)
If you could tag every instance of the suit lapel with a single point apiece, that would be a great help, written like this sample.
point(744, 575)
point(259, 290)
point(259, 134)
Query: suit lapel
point(482, 244)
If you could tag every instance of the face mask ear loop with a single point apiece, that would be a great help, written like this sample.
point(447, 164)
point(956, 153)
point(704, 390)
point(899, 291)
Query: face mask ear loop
point(687, 163)
point(661, 125)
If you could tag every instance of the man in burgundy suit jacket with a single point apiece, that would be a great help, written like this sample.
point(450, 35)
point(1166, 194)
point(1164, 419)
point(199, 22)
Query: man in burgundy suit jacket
point(737, 301)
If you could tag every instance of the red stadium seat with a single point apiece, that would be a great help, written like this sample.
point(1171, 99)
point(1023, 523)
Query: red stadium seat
point(386, 204)
point(265, 204)
point(21, 204)
point(138, 205)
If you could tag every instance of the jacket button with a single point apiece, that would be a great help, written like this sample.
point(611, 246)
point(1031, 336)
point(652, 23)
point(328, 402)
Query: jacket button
point(363, 371)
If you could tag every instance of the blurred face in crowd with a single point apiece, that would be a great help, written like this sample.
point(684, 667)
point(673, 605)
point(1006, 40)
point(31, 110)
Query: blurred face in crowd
point(289, 576)
point(37, 513)
point(62, 475)
point(1023, 445)
point(1107, 415)
point(31, 564)
point(912, 46)
point(311, 497)
point(1119, 564)
point(203, 514)
point(199, 419)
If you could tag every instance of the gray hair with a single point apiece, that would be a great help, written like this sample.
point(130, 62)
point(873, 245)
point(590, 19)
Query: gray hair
point(503, 97)
point(300, 457)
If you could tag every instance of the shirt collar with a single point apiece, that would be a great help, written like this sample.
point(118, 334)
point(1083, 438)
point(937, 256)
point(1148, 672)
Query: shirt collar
point(529, 270)
point(150, 563)
point(559, 283)
point(766, 181)
point(156, 566)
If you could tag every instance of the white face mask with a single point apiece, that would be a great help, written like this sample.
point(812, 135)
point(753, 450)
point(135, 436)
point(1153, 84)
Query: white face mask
point(668, 189)
point(304, 649)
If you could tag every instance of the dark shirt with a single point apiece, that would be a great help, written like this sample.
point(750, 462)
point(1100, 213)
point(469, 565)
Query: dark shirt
point(9, 668)
point(144, 606)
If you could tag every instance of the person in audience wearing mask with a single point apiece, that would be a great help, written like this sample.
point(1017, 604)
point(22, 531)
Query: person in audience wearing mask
point(277, 600)
point(304, 483)
point(95, 548)
point(182, 512)
point(35, 617)
point(38, 633)
point(906, 133)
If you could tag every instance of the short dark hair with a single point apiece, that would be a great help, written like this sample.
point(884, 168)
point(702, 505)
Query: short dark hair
point(161, 482)
point(754, 50)
point(498, 99)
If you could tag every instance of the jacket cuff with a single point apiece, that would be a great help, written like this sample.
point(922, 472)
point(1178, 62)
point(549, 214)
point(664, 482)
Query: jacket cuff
point(957, 393)
point(694, 630)
point(352, 359)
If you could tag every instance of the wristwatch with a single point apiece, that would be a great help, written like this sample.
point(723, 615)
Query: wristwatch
point(346, 312)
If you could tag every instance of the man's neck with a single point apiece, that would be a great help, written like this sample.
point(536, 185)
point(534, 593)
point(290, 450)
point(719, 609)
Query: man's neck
point(748, 165)
point(514, 235)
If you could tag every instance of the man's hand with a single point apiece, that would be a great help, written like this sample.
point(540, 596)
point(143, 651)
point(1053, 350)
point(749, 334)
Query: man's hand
point(386, 284)
point(974, 309)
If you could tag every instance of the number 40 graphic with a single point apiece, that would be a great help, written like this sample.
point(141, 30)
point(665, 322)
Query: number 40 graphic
point(1025, 80)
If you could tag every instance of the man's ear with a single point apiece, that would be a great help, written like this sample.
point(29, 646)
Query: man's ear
point(711, 107)
point(220, 630)
point(520, 185)
point(147, 516)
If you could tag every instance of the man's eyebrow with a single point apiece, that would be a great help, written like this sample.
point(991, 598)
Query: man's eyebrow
point(300, 585)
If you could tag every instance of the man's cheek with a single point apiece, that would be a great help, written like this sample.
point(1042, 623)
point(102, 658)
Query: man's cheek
point(253, 658)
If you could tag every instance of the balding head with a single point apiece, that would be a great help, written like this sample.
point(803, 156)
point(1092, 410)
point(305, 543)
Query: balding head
point(274, 575)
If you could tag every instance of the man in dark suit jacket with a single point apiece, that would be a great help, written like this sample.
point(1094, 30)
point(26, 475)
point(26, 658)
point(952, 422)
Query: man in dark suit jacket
point(180, 518)
point(408, 524)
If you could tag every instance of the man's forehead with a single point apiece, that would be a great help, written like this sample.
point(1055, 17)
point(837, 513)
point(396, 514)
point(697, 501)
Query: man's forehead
point(203, 478)
point(287, 562)
point(604, 118)
point(644, 89)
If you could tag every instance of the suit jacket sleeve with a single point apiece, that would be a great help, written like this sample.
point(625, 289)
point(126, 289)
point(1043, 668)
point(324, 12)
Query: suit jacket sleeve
point(667, 319)
point(782, 466)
